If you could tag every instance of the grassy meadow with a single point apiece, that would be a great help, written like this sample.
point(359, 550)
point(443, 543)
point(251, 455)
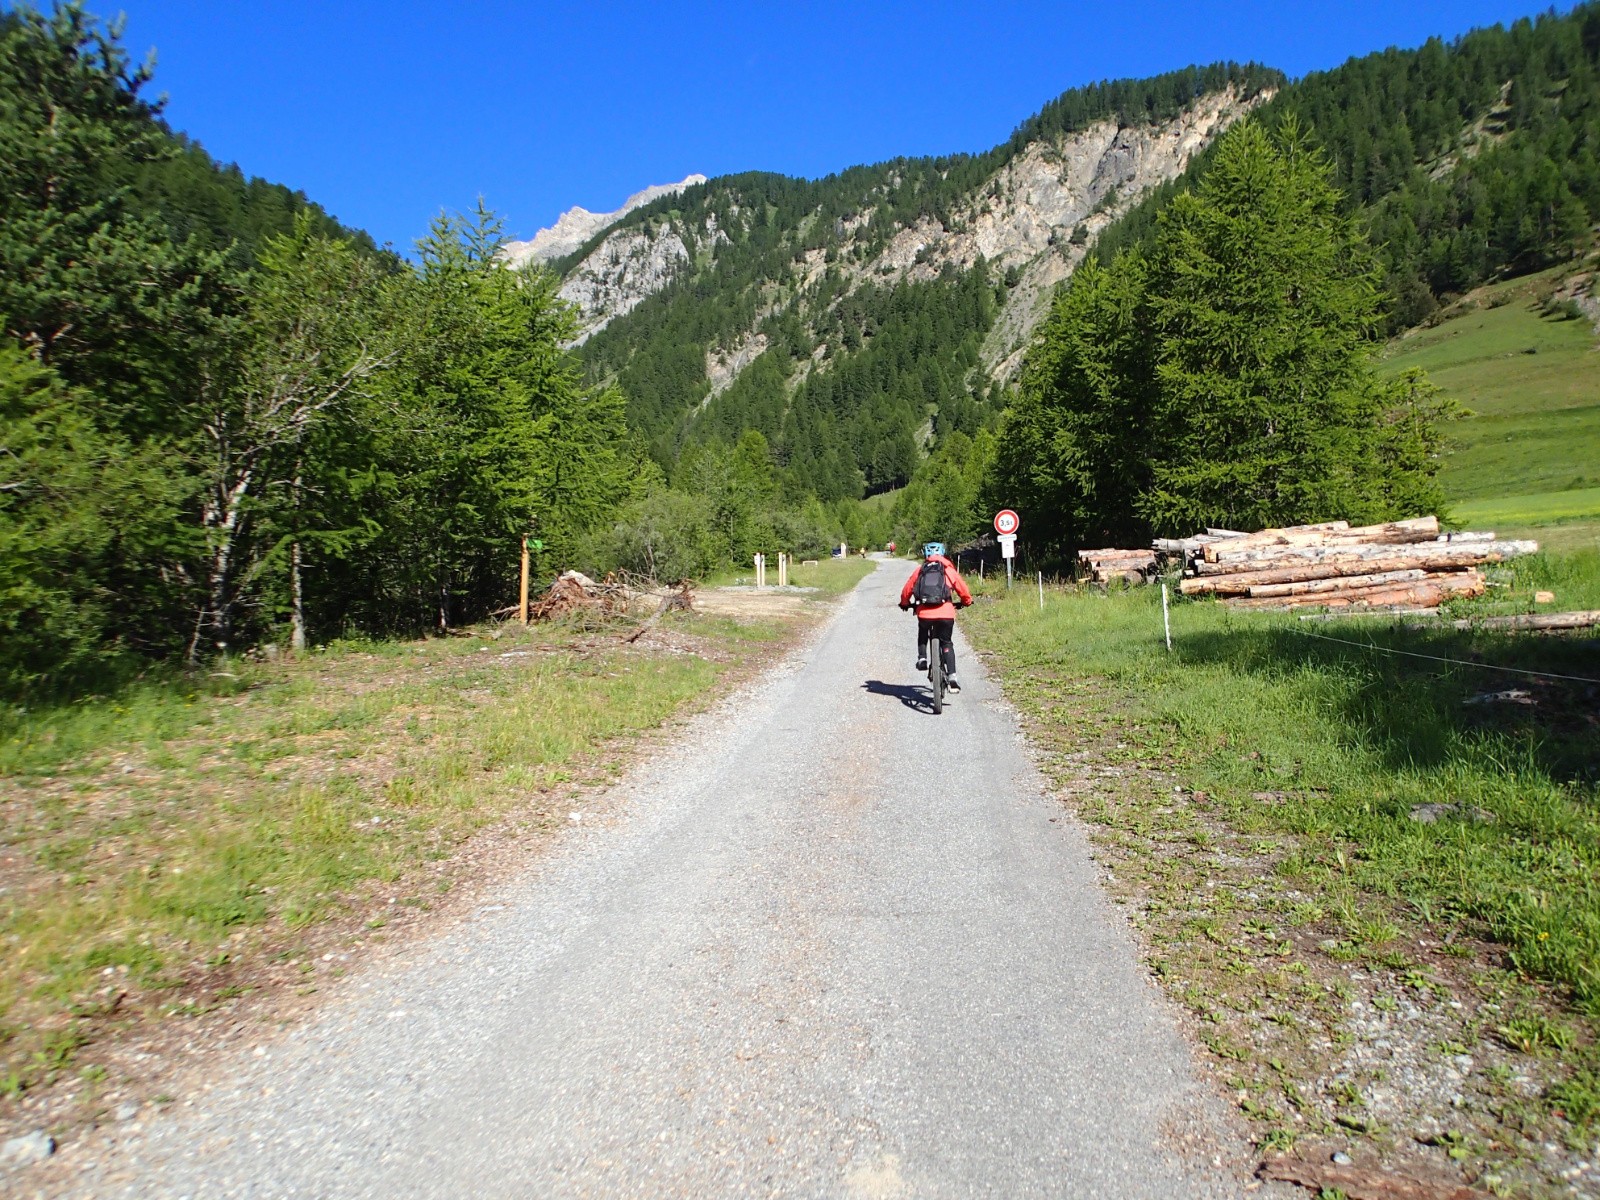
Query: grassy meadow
point(1526, 462)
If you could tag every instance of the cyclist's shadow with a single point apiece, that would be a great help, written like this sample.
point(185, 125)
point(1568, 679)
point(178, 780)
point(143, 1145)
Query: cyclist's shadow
point(918, 698)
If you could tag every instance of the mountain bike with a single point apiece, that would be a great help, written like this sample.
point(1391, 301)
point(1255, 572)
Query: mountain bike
point(936, 674)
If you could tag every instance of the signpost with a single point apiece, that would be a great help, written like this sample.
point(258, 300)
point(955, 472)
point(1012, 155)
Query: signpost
point(1006, 524)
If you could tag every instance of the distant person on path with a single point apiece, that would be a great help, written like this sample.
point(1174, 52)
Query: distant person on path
point(936, 590)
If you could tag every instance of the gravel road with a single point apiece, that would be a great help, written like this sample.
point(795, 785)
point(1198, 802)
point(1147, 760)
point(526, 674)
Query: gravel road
point(832, 946)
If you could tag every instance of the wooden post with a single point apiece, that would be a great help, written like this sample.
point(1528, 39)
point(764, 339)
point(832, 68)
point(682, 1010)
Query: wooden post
point(522, 600)
point(783, 569)
point(1166, 621)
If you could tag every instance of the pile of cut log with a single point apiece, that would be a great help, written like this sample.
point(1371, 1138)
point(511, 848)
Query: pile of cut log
point(1118, 566)
point(1405, 565)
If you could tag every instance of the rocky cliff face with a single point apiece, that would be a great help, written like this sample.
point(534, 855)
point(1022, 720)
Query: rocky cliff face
point(630, 265)
point(1039, 214)
point(577, 225)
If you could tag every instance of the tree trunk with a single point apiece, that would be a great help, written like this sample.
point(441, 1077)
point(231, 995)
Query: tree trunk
point(1365, 560)
point(297, 601)
point(1566, 620)
point(297, 594)
point(1425, 593)
point(1420, 529)
point(224, 521)
point(1312, 587)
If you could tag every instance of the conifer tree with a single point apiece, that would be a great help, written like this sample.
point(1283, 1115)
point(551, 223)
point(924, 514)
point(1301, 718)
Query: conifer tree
point(1264, 300)
point(1077, 444)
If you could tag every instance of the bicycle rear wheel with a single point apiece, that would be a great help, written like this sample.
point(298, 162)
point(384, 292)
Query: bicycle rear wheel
point(936, 674)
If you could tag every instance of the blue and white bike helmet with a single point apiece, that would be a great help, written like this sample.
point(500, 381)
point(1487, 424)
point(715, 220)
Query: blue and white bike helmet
point(933, 548)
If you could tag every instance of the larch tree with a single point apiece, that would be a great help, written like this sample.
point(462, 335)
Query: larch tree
point(1265, 301)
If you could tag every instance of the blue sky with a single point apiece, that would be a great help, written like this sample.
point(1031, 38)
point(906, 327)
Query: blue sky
point(386, 113)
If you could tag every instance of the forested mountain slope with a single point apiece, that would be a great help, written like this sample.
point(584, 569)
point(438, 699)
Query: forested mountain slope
point(851, 317)
point(862, 320)
point(1469, 159)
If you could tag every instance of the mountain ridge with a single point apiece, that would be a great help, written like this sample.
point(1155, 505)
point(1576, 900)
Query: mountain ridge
point(577, 225)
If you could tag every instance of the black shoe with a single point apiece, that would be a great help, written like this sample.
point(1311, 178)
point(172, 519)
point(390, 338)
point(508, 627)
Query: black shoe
point(922, 663)
point(953, 684)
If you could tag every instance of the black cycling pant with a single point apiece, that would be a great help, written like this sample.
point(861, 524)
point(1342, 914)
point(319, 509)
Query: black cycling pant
point(942, 628)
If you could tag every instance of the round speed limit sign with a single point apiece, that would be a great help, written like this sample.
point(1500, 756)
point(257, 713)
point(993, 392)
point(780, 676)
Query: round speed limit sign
point(1006, 521)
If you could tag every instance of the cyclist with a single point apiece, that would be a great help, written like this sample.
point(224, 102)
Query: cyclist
point(936, 590)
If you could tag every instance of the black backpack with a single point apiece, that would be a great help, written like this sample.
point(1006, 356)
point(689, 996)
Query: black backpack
point(933, 587)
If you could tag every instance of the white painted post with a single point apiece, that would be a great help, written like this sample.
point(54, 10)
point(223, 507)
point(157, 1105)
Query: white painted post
point(1166, 619)
point(761, 575)
point(783, 569)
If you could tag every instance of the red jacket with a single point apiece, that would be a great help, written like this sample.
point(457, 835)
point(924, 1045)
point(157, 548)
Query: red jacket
point(937, 612)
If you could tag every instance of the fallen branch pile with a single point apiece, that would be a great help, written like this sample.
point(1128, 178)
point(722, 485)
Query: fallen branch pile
point(574, 592)
point(1399, 564)
point(576, 597)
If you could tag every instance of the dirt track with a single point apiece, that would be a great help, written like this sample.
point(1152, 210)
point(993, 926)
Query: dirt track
point(831, 945)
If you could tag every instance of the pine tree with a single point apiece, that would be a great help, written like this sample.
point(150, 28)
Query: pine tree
point(89, 285)
point(81, 512)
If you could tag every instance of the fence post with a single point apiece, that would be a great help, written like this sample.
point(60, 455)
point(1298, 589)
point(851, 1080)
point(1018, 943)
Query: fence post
point(1166, 619)
point(522, 602)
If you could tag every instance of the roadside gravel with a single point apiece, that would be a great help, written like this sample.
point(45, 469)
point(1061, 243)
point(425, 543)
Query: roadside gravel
point(827, 945)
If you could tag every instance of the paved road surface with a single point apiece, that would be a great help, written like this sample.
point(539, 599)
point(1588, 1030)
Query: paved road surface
point(835, 947)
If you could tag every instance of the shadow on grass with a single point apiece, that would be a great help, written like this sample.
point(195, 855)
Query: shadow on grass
point(1419, 697)
point(919, 699)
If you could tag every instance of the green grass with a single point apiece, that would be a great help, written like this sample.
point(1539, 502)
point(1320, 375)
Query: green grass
point(1580, 504)
point(143, 830)
point(1560, 521)
point(1532, 384)
point(1360, 738)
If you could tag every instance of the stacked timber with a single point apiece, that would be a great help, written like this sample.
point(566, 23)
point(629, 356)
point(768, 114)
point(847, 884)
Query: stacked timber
point(1399, 564)
point(1120, 566)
